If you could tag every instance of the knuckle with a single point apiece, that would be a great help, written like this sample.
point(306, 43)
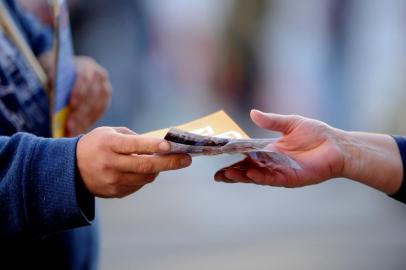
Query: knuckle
point(117, 142)
point(114, 191)
point(106, 161)
point(108, 138)
point(113, 181)
point(123, 129)
point(104, 165)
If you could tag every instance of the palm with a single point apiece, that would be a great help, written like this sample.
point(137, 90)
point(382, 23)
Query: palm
point(310, 143)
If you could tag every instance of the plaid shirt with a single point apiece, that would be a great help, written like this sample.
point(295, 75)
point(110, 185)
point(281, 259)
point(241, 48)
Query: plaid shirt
point(24, 105)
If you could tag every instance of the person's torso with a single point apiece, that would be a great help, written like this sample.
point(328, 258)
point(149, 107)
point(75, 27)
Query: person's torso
point(24, 105)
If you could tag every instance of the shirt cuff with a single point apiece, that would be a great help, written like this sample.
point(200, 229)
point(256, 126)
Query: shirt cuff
point(400, 195)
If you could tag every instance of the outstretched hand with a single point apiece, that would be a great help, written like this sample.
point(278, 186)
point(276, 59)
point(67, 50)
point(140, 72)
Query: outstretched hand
point(315, 146)
point(116, 162)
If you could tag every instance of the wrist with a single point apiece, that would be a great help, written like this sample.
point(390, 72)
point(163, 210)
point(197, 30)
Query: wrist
point(354, 156)
point(372, 159)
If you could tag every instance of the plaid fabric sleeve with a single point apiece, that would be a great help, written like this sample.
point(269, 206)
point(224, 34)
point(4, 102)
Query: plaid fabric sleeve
point(38, 35)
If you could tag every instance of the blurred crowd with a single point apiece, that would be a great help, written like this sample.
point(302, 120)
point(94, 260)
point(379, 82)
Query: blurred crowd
point(341, 61)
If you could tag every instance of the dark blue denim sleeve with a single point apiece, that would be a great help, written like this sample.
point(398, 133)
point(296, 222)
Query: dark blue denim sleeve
point(38, 35)
point(40, 189)
point(401, 194)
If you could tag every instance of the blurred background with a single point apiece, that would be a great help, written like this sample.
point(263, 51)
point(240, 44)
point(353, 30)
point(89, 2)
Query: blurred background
point(171, 61)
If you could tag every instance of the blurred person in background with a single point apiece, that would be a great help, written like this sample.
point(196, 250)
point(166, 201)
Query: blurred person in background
point(24, 107)
point(238, 68)
point(118, 35)
point(324, 153)
point(41, 9)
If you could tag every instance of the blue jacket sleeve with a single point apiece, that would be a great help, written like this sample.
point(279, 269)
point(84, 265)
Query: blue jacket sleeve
point(40, 188)
point(38, 35)
point(401, 194)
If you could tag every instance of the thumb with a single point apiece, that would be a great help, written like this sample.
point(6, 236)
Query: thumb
point(124, 130)
point(275, 122)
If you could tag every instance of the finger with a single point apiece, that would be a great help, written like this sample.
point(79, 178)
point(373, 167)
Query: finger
point(103, 94)
point(85, 66)
point(148, 164)
point(101, 72)
point(242, 165)
point(237, 175)
point(138, 144)
point(87, 111)
point(127, 191)
point(220, 177)
point(98, 100)
point(275, 178)
point(134, 180)
point(275, 122)
point(79, 90)
point(78, 122)
point(124, 130)
point(124, 190)
point(74, 100)
point(108, 90)
point(85, 77)
point(257, 176)
point(128, 183)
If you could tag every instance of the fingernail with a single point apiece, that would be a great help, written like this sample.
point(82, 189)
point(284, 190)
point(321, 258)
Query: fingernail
point(164, 147)
point(186, 161)
point(257, 111)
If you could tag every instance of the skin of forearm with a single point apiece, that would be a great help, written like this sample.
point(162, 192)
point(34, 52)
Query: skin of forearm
point(372, 159)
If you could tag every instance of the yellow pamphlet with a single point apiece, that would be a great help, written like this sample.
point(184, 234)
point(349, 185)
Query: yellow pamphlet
point(218, 124)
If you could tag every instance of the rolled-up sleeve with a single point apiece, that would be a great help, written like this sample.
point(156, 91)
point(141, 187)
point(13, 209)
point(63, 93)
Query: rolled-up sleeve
point(40, 189)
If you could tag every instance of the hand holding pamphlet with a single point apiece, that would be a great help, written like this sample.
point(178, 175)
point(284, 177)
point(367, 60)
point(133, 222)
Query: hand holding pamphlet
point(218, 134)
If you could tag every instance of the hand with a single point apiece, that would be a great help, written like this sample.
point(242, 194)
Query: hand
point(90, 96)
point(310, 143)
point(322, 152)
point(115, 162)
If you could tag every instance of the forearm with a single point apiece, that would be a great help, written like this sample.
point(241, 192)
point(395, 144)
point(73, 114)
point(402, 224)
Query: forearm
point(372, 159)
point(39, 187)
